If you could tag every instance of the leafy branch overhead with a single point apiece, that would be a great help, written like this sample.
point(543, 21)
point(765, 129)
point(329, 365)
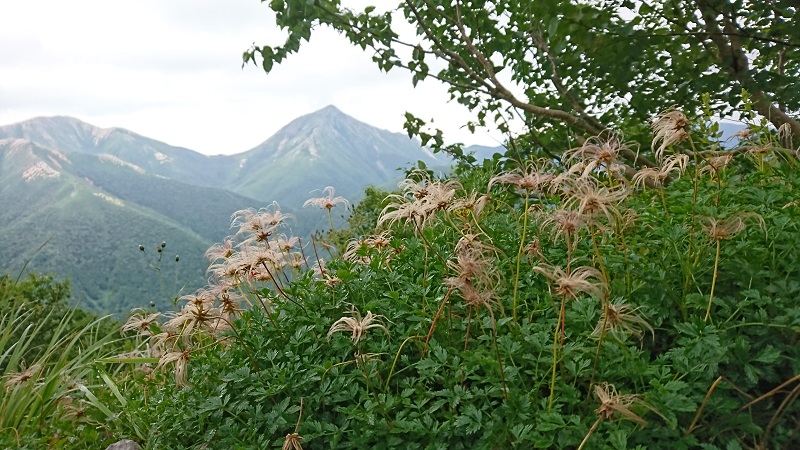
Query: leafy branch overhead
point(588, 65)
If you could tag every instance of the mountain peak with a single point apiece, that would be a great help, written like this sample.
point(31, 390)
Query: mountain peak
point(330, 109)
point(327, 114)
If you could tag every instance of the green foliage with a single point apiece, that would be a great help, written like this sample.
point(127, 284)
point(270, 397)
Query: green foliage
point(664, 318)
point(47, 351)
point(44, 303)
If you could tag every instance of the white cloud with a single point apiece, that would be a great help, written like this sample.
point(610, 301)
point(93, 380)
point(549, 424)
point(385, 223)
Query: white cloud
point(171, 70)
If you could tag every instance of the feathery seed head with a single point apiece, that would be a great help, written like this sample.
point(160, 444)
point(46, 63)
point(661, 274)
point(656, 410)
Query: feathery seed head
point(419, 201)
point(16, 378)
point(356, 325)
point(292, 441)
point(721, 229)
point(141, 323)
point(529, 177)
point(181, 360)
point(669, 127)
point(534, 249)
point(619, 317)
point(657, 175)
point(612, 402)
point(472, 203)
point(589, 197)
point(714, 165)
point(259, 224)
point(327, 201)
point(471, 295)
point(219, 251)
point(596, 153)
point(574, 283)
point(565, 221)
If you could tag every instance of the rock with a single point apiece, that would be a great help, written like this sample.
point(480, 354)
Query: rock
point(125, 444)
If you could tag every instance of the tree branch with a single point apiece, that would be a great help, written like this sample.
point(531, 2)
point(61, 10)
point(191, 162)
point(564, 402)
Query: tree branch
point(540, 42)
point(733, 59)
point(502, 93)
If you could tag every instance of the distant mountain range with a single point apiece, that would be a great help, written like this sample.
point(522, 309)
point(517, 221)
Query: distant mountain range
point(93, 195)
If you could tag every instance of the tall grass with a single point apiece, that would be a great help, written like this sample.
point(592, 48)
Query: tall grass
point(39, 376)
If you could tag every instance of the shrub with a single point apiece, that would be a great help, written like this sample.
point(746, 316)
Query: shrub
point(548, 304)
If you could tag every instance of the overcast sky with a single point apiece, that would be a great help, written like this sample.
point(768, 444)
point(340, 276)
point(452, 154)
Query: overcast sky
point(172, 70)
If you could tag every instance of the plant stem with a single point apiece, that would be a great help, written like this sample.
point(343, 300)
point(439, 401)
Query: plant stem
point(555, 360)
point(713, 282)
point(599, 346)
point(519, 253)
point(591, 430)
point(436, 318)
point(497, 350)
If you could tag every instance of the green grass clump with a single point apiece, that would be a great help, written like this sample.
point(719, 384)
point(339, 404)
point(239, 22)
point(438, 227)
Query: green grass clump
point(47, 354)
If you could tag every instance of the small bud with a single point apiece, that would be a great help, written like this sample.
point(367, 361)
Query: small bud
point(152, 304)
point(177, 258)
point(163, 244)
point(141, 248)
point(159, 249)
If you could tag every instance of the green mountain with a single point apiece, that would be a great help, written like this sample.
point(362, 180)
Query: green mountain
point(93, 195)
point(60, 222)
point(69, 135)
point(326, 148)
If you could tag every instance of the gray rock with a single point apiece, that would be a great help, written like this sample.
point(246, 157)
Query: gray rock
point(125, 444)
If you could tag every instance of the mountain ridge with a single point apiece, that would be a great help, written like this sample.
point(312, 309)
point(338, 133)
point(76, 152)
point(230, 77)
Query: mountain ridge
point(95, 194)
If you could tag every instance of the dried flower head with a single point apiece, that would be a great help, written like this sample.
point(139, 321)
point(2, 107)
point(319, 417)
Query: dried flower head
point(419, 201)
point(292, 441)
point(476, 274)
point(596, 153)
point(714, 165)
point(565, 222)
point(361, 251)
point(73, 412)
point(197, 315)
point(181, 360)
point(356, 325)
point(297, 260)
point(473, 203)
point(785, 137)
point(258, 225)
point(576, 282)
point(286, 243)
point(327, 201)
point(534, 250)
point(592, 199)
point(529, 177)
point(141, 323)
point(612, 402)
point(227, 296)
point(721, 229)
point(657, 175)
point(219, 251)
point(669, 127)
point(743, 134)
point(472, 295)
point(472, 264)
point(16, 378)
point(619, 317)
